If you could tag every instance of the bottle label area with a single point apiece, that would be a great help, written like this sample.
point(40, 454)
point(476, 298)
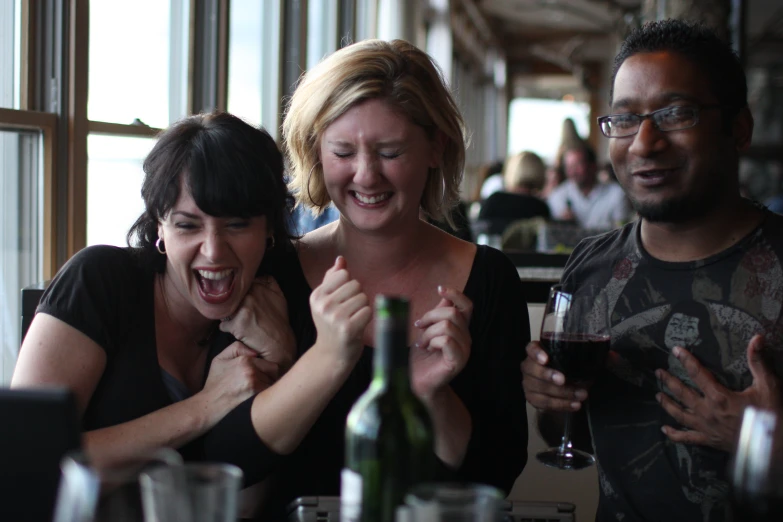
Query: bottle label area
point(350, 496)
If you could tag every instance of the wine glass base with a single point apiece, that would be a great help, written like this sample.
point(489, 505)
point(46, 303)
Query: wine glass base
point(571, 459)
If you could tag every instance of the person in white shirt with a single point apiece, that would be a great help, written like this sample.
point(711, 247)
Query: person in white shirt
point(583, 199)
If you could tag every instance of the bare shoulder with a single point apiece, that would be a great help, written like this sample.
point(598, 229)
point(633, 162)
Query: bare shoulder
point(452, 255)
point(316, 251)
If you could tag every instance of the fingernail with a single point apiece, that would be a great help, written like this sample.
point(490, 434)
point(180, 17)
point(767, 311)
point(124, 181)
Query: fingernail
point(676, 351)
point(663, 429)
point(417, 323)
point(440, 289)
point(580, 394)
point(541, 358)
point(575, 405)
point(558, 378)
point(658, 397)
point(659, 374)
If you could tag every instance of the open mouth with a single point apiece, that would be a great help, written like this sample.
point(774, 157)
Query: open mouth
point(215, 286)
point(374, 199)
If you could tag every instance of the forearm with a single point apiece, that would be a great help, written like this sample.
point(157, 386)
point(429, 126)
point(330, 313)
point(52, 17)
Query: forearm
point(452, 424)
point(172, 427)
point(284, 413)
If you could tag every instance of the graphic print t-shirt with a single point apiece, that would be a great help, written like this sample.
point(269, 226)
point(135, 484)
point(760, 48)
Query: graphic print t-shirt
point(712, 308)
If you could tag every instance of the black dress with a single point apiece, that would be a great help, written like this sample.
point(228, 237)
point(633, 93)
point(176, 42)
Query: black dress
point(489, 385)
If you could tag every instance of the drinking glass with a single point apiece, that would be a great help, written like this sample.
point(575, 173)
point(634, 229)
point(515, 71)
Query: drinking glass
point(444, 502)
point(575, 334)
point(756, 471)
point(94, 492)
point(194, 492)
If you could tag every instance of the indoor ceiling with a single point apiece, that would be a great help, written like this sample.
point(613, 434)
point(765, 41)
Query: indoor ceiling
point(547, 39)
point(551, 36)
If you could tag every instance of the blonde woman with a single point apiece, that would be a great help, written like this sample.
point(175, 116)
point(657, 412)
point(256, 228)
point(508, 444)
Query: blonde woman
point(373, 130)
point(523, 176)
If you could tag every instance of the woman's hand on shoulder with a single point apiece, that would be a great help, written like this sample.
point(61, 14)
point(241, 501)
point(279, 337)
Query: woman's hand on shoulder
point(261, 323)
point(443, 348)
point(236, 374)
point(341, 312)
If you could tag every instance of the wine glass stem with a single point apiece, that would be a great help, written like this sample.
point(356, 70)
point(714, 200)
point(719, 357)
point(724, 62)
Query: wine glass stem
point(565, 443)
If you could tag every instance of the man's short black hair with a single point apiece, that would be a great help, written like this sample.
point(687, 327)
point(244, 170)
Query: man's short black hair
point(702, 47)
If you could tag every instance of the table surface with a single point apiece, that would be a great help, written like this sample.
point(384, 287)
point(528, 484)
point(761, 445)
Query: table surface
point(540, 273)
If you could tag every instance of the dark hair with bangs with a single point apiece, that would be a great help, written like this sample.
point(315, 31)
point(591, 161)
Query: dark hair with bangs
point(701, 46)
point(230, 168)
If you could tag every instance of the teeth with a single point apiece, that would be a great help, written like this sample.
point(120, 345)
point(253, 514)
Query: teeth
point(209, 274)
point(372, 199)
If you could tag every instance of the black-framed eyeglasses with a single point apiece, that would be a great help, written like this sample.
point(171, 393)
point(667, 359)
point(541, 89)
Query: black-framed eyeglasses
point(677, 117)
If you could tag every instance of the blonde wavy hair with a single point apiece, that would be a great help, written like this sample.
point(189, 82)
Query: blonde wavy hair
point(525, 170)
point(396, 72)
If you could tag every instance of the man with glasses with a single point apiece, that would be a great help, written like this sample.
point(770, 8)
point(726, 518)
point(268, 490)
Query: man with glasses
point(582, 198)
point(695, 285)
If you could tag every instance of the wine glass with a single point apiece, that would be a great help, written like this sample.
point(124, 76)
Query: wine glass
point(105, 492)
point(575, 334)
point(756, 471)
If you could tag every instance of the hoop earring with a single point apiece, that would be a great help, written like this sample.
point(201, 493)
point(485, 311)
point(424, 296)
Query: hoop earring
point(158, 245)
point(270, 242)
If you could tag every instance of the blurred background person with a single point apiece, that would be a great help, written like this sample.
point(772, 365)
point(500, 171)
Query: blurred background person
point(523, 176)
point(305, 220)
point(490, 179)
point(553, 177)
point(582, 198)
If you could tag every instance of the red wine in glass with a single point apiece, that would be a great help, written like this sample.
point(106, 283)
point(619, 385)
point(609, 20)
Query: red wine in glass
point(575, 334)
point(578, 356)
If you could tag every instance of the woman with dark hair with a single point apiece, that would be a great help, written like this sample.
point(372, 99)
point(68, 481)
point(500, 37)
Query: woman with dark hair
point(150, 338)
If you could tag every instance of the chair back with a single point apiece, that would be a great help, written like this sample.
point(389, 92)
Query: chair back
point(38, 428)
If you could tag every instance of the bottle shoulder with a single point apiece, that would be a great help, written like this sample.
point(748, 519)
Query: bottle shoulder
point(383, 410)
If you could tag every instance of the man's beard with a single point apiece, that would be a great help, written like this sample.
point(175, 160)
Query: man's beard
point(682, 208)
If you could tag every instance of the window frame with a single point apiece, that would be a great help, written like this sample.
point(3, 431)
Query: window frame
point(46, 124)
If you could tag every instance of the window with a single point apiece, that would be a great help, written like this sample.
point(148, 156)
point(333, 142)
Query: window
point(137, 61)
point(10, 53)
point(254, 66)
point(321, 30)
point(138, 83)
point(366, 19)
point(21, 234)
point(114, 177)
point(536, 125)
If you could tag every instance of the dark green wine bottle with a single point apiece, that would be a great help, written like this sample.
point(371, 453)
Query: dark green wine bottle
point(389, 441)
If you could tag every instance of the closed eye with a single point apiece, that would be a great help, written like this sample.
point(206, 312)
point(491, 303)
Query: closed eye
point(185, 225)
point(343, 154)
point(238, 224)
point(390, 155)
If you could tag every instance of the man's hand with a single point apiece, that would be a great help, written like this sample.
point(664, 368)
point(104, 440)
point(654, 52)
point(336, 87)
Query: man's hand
point(713, 416)
point(545, 388)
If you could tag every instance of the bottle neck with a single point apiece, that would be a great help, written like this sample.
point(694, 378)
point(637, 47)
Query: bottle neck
point(391, 357)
